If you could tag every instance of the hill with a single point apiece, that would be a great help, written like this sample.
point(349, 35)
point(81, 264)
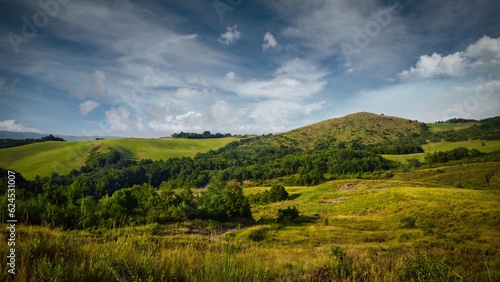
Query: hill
point(45, 158)
point(368, 127)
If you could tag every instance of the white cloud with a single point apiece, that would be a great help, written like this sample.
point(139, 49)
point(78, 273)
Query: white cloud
point(231, 35)
point(269, 41)
point(276, 115)
point(11, 125)
point(88, 106)
point(98, 79)
point(436, 65)
point(484, 55)
point(119, 119)
point(230, 75)
point(296, 79)
point(190, 121)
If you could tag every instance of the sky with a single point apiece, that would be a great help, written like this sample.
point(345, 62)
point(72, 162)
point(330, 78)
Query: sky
point(153, 68)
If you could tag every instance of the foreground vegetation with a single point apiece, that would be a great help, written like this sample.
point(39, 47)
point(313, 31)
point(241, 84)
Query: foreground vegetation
point(348, 230)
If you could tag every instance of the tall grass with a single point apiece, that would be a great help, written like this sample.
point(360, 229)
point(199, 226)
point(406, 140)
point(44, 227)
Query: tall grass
point(136, 255)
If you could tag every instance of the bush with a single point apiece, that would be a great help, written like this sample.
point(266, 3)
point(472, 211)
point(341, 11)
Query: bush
point(288, 214)
point(425, 268)
point(408, 222)
point(278, 193)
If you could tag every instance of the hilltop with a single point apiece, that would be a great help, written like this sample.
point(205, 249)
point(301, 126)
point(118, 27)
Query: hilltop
point(368, 127)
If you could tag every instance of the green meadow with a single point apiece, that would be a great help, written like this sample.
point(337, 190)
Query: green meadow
point(429, 148)
point(441, 127)
point(408, 228)
point(47, 157)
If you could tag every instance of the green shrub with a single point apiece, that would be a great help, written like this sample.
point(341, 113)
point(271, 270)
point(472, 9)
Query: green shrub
point(408, 222)
point(288, 214)
point(425, 268)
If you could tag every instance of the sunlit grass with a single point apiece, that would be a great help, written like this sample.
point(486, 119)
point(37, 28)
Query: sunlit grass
point(47, 157)
point(390, 230)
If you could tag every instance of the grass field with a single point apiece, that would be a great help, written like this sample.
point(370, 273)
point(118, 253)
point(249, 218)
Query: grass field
point(409, 228)
point(47, 157)
point(489, 146)
point(440, 127)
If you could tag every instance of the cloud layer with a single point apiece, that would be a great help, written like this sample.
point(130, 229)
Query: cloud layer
point(148, 69)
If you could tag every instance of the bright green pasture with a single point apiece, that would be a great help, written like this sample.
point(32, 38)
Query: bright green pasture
point(489, 146)
point(440, 127)
point(47, 157)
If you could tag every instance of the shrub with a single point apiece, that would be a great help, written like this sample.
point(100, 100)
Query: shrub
point(278, 193)
point(425, 268)
point(408, 222)
point(288, 214)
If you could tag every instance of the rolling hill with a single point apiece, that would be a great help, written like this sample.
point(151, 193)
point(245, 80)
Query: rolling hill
point(367, 128)
point(47, 157)
point(370, 128)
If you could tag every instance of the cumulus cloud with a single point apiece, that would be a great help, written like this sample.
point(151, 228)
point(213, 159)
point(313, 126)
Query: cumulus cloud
point(484, 55)
point(269, 41)
point(436, 65)
point(231, 35)
point(88, 106)
point(230, 75)
point(98, 79)
point(11, 125)
point(119, 119)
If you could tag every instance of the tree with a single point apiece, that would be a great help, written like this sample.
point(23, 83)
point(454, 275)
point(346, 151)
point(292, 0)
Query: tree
point(222, 202)
point(278, 193)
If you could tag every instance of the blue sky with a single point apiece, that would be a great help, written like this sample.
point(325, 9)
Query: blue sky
point(152, 68)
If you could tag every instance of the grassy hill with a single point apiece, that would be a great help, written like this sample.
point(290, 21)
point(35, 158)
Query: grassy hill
point(370, 128)
point(61, 157)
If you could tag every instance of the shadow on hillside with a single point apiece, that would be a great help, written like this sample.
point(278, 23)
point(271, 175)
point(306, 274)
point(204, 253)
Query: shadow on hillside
point(293, 196)
point(299, 221)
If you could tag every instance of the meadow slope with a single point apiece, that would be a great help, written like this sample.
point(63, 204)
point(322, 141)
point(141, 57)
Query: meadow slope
point(47, 157)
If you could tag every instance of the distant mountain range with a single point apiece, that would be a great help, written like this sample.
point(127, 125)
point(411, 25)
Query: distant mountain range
point(34, 135)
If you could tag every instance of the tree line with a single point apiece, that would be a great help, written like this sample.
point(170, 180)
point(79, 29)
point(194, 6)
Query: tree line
point(8, 143)
point(204, 135)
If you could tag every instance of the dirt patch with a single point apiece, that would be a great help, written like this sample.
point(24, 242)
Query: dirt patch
point(335, 201)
